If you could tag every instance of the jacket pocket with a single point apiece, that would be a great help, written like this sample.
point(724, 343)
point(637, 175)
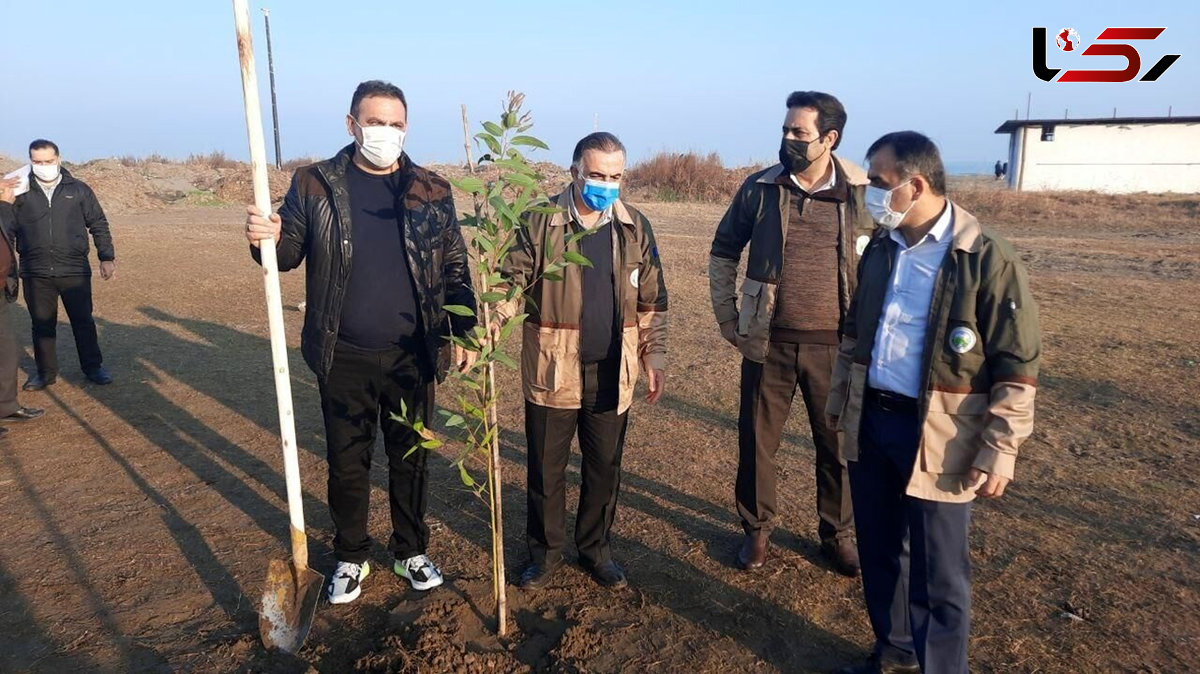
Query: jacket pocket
point(751, 299)
point(539, 364)
point(953, 425)
point(754, 319)
point(79, 244)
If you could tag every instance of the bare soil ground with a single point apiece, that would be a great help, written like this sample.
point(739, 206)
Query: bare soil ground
point(138, 519)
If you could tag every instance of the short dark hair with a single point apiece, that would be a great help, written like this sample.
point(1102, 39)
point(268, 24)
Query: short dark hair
point(831, 116)
point(375, 88)
point(43, 144)
point(915, 154)
point(600, 140)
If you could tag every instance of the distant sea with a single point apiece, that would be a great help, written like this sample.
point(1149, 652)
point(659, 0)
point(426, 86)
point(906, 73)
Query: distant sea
point(969, 168)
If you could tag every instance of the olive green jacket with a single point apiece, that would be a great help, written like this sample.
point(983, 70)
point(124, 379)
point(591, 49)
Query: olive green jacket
point(980, 360)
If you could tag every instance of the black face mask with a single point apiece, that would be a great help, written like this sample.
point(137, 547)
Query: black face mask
point(793, 154)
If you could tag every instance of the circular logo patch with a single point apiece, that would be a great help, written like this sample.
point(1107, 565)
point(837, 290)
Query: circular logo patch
point(962, 340)
point(633, 278)
point(860, 244)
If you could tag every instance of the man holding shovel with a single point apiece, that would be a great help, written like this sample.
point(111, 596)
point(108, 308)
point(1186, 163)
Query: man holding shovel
point(384, 255)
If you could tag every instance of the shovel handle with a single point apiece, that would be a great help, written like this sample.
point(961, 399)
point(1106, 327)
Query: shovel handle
point(270, 267)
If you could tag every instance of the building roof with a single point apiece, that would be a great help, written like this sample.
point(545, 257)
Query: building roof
point(1014, 124)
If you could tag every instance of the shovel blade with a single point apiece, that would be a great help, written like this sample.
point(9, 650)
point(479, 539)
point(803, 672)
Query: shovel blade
point(288, 605)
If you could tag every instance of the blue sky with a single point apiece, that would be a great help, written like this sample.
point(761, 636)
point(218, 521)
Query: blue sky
point(133, 77)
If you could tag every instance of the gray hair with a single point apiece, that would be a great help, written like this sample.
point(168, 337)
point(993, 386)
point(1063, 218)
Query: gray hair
point(600, 140)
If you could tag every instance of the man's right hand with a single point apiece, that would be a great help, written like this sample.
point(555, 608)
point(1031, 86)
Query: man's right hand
point(729, 331)
point(831, 420)
point(259, 228)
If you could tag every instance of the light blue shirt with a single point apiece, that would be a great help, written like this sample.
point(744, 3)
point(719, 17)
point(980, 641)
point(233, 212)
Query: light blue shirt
point(900, 339)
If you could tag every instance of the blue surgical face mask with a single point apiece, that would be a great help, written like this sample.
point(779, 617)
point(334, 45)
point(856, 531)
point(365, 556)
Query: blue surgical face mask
point(598, 194)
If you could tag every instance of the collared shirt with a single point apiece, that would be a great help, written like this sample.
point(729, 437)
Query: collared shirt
point(48, 188)
point(822, 186)
point(900, 340)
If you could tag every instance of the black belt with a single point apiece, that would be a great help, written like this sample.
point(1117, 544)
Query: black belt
point(890, 401)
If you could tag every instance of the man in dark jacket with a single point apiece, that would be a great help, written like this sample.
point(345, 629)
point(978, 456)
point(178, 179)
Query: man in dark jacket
point(384, 255)
point(51, 223)
point(933, 395)
point(10, 409)
point(805, 224)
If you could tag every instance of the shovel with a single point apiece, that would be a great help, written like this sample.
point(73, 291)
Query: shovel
point(292, 589)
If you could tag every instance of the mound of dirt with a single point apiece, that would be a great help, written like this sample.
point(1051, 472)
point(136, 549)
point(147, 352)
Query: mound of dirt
point(8, 163)
point(553, 177)
point(119, 188)
point(236, 185)
point(125, 186)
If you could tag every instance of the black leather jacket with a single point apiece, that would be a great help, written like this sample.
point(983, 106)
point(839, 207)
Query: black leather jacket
point(52, 237)
point(316, 228)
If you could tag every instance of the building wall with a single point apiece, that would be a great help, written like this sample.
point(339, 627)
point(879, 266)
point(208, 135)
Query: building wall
point(1108, 158)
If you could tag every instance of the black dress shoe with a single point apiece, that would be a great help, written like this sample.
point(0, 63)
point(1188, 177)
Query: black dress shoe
point(24, 414)
point(537, 575)
point(877, 665)
point(843, 555)
point(99, 376)
point(37, 382)
point(609, 574)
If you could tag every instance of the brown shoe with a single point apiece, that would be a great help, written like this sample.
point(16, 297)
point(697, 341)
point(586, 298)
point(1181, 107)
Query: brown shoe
point(843, 554)
point(753, 553)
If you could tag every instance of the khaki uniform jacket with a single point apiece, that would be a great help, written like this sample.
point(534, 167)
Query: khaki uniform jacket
point(551, 369)
point(980, 365)
point(758, 216)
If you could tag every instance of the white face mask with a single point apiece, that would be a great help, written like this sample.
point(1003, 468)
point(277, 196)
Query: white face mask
point(46, 173)
point(879, 205)
point(381, 145)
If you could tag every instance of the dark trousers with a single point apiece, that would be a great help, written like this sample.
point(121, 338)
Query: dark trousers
point(362, 388)
point(766, 401)
point(41, 297)
point(915, 563)
point(9, 354)
point(548, 432)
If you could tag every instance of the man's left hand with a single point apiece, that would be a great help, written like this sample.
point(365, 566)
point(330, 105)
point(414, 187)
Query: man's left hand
point(108, 269)
point(8, 190)
point(464, 359)
point(657, 382)
point(992, 485)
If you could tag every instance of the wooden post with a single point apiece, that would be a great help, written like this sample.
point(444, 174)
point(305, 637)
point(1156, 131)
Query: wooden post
point(467, 139)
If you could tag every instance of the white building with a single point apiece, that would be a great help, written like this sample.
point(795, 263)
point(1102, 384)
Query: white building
point(1115, 155)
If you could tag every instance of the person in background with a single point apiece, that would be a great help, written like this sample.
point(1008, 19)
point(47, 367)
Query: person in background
point(10, 409)
point(50, 225)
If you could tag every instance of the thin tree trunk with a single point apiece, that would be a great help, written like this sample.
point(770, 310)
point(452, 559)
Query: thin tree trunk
point(494, 487)
point(467, 139)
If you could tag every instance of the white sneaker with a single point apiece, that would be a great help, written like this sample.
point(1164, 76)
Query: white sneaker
point(420, 571)
point(346, 584)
